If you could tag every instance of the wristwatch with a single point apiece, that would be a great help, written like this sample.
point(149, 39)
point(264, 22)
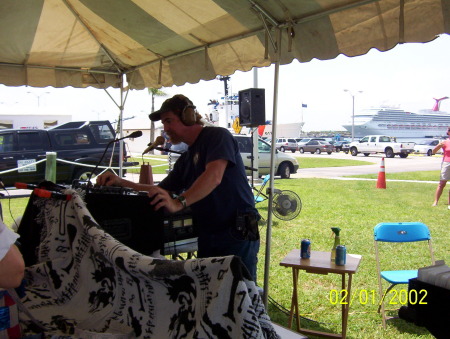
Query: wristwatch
point(182, 199)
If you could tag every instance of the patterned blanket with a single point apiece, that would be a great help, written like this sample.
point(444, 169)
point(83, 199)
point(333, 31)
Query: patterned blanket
point(86, 284)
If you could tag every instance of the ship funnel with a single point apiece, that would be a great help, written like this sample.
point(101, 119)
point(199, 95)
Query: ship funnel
point(437, 105)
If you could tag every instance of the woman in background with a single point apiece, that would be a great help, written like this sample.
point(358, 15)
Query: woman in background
point(445, 168)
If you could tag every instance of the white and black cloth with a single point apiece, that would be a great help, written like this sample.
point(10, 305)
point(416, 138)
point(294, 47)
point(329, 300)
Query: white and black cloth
point(86, 284)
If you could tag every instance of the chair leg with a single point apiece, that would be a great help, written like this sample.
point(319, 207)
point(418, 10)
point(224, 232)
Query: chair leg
point(381, 307)
point(384, 296)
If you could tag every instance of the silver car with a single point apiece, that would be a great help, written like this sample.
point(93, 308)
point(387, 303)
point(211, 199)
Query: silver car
point(426, 147)
point(316, 146)
point(286, 144)
point(285, 164)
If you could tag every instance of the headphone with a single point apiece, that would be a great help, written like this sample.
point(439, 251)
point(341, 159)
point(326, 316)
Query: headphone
point(188, 114)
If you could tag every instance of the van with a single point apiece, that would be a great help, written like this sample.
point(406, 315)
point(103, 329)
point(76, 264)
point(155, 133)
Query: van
point(285, 164)
point(286, 144)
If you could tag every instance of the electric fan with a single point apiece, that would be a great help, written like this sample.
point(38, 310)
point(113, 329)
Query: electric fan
point(286, 205)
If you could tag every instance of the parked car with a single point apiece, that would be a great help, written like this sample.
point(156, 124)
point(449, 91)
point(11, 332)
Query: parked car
point(80, 142)
point(426, 147)
point(285, 164)
point(317, 146)
point(338, 145)
point(305, 140)
point(372, 144)
point(301, 142)
point(286, 144)
point(345, 147)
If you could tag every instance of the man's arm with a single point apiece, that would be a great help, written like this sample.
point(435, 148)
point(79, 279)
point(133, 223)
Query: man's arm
point(110, 179)
point(207, 182)
point(11, 268)
point(202, 187)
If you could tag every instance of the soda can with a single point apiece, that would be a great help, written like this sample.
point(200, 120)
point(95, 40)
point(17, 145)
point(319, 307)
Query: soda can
point(305, 249)
point(341, 255)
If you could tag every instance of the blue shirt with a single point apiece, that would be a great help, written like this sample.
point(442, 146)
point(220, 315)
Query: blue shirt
point(218, 210)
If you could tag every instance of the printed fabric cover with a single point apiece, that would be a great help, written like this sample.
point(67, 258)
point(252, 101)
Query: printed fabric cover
point(86, 284)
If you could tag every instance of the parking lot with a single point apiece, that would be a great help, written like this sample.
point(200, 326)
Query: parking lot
point(392, 165)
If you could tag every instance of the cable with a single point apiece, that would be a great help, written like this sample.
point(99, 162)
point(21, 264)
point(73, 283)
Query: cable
point(9, 207)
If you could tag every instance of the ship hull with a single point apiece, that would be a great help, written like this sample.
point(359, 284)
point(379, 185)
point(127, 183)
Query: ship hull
point(398, 123)
point(363, 130)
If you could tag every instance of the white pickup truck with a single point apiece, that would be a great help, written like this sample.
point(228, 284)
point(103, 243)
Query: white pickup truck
point(381, 144)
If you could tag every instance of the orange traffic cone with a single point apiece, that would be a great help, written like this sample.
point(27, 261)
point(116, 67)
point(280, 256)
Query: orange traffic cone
point(381, 182)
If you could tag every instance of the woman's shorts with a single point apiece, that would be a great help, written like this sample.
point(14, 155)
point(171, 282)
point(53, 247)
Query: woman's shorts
point(445, 171)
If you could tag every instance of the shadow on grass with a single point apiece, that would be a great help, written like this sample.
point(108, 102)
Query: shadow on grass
point(281, 317)
point(406, 327)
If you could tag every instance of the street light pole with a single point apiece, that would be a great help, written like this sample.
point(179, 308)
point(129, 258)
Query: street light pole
point(353, 111)
point(353, 118)
point(38, 96)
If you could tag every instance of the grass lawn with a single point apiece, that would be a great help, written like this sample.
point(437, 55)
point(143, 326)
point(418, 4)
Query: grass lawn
point(159, 163)
point(356, 207)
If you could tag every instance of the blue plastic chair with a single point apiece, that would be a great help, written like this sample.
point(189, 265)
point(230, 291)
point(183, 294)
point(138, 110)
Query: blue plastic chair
point(398, 232)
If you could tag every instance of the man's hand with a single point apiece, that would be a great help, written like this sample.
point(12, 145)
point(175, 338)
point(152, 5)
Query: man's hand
point(162, 198)
point(109, 179)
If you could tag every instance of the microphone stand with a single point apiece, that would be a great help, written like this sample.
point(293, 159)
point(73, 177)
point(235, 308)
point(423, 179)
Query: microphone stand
point(167, 150)
point(135, 134)
point(89, 184)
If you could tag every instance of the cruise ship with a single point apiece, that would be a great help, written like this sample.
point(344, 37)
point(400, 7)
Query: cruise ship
point(399, 123)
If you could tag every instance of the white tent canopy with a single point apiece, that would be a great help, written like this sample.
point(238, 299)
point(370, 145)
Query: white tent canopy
point(158, 43)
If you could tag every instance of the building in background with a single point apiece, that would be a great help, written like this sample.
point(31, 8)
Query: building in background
point(19, 120)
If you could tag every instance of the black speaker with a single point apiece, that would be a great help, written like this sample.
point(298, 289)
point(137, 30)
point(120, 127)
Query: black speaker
point(252, 107)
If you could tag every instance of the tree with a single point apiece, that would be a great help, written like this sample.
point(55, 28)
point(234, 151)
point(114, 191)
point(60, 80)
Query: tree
point(154, 92)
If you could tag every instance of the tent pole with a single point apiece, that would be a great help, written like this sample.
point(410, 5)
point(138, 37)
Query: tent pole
point(122, 77)
point(272, 170)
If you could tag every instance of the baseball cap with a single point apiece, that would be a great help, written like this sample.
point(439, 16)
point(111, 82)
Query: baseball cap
point(176, 104)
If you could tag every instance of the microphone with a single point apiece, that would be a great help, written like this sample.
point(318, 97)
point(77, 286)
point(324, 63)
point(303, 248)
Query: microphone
point(158, 141)
point(42, 193)
point(135, 134)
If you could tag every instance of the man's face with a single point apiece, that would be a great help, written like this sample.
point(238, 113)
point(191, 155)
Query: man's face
point(173, 126)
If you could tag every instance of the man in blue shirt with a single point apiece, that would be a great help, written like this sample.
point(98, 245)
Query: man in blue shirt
point(209, 178)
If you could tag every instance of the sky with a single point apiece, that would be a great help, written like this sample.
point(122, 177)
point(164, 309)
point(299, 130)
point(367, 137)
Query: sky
point(407, 77)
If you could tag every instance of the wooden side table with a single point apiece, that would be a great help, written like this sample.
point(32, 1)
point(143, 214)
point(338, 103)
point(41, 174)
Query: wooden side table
point(320, 263)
